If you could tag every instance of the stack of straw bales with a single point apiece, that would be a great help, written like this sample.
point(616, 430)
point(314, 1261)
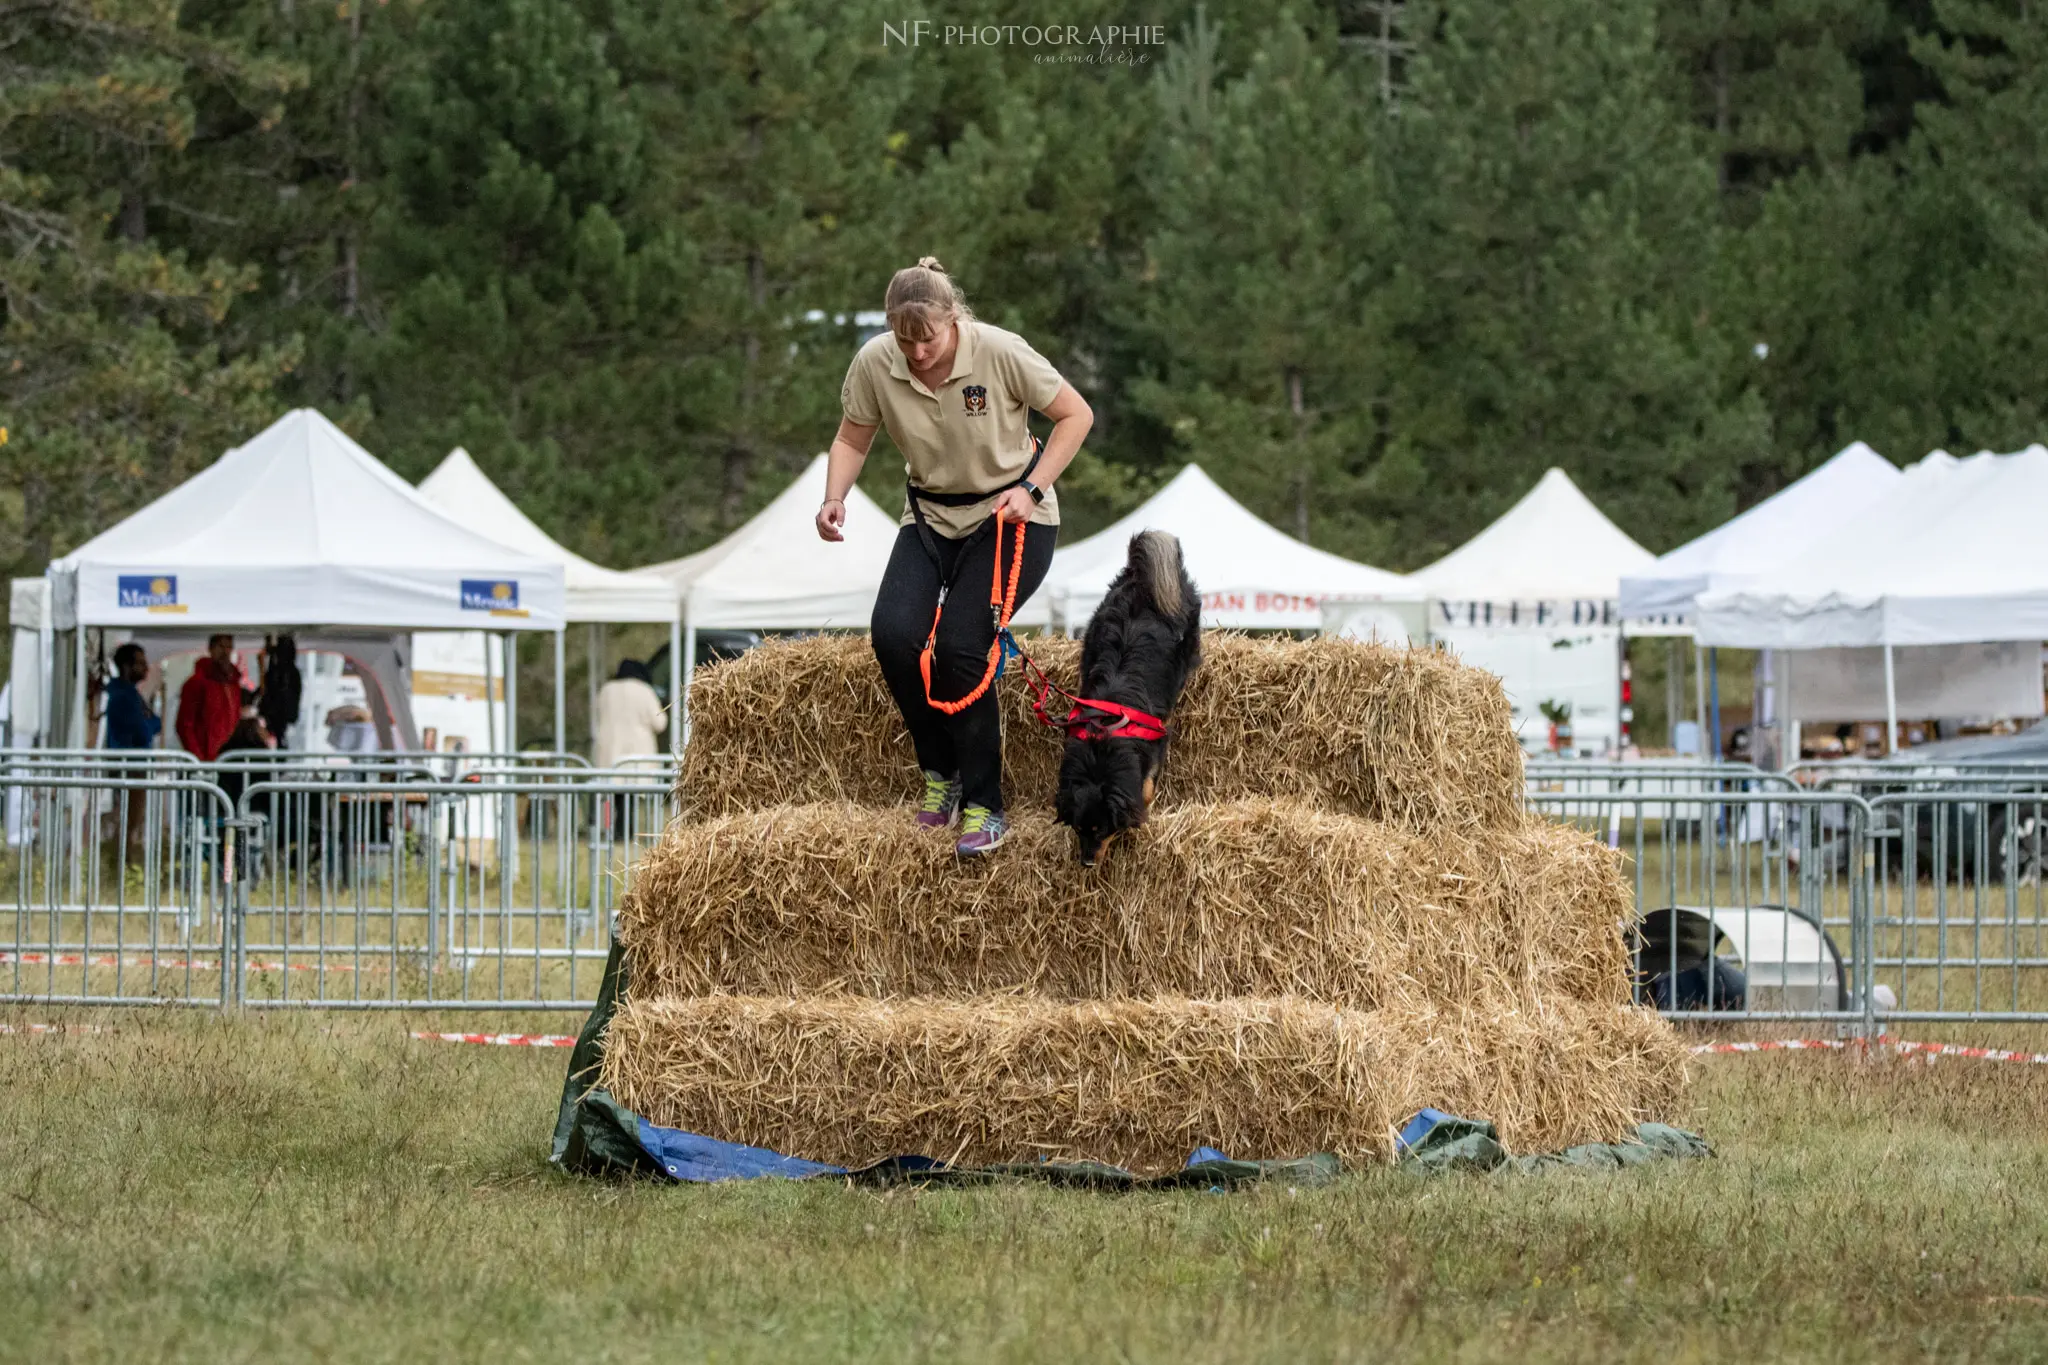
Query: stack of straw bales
point(1338, 914)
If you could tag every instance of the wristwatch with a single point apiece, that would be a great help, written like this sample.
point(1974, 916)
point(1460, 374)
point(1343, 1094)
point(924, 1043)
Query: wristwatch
point(1037, 493)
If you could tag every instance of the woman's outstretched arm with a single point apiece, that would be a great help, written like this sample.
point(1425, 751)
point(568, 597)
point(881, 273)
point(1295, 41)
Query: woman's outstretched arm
point(842, 466)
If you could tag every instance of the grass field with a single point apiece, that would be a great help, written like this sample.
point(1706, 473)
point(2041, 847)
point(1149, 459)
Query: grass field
point(196, 1187)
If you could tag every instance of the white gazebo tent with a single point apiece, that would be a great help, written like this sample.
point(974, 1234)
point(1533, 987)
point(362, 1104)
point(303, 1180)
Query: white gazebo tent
point(1946, 567)
point(1535, 598)
point(593, 594)
point(1554, 546)
point(1664, 599)
point(300, 526)
point(774, 573)
point(1252, 576)
point(1776, 529)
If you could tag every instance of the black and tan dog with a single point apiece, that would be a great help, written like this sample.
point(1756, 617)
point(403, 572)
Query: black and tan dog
point(1142, 645)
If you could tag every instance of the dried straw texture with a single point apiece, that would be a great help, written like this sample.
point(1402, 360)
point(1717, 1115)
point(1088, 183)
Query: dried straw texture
point(1138, 1083)
point(1247, 898)
point(1411, 736)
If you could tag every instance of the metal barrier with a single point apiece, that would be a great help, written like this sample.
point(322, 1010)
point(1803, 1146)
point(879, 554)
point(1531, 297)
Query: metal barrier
point(1684, 780)
point(100, 762)
point(1838, 771)
point(485, 893)
point(1600, 767)
point(8, 756)
point(1749, 904)
point(122, 889)
point(1958, 921)
point(292, 884)
point(338, 887)
point(446, 767)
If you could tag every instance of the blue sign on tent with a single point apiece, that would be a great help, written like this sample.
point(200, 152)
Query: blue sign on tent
point(498, 596)
point(147, 592)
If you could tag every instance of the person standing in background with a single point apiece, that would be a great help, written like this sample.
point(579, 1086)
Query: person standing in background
point(130, 722)
point(629, 715)
point(210, 703)
point(249, 735)
point(131, 725)
point(282, 689)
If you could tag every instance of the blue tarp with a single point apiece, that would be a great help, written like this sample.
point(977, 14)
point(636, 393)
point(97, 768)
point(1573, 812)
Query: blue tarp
point(692, 1157)
point(1431, 1141)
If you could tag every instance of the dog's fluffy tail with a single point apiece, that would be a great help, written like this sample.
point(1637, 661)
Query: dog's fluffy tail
point(1155, 559)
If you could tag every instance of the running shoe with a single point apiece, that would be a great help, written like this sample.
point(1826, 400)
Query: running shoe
point(981, 829)
point(941, 804)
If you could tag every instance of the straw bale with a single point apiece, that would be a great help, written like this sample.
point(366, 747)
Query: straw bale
point(1138, 1083)
point(1408, 735)
point(1242, 898)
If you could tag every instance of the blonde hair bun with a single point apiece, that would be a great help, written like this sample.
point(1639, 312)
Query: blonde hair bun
point(923, 298)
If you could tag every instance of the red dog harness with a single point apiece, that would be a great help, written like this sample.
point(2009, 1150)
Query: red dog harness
point(1086, 719)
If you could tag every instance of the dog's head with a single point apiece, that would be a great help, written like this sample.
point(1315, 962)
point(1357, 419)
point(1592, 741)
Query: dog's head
point(1105, 789)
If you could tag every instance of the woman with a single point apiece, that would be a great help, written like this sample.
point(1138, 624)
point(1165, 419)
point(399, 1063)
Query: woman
point(956, 395)
point(629, 715)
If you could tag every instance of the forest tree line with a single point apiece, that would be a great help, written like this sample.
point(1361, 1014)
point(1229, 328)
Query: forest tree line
point(1376, 266)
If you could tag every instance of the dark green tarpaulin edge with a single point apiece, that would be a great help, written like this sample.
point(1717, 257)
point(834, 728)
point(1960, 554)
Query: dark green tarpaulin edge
point(596, 1135)
point(1472, 1145)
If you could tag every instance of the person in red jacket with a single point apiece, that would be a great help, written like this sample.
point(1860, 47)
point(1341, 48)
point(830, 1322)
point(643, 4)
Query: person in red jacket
point(210, 703)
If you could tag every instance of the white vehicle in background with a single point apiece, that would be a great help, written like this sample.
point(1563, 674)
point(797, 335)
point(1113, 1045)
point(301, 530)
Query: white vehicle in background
point(1763, 958)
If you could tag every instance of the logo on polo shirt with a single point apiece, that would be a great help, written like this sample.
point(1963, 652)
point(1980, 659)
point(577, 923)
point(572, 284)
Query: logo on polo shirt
point(976, 399)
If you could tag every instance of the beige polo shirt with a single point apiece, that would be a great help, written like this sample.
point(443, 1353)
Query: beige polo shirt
point(972, 434)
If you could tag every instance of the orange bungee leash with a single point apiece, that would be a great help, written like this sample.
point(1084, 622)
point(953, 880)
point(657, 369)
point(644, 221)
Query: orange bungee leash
point(1087, 719)
point(1002, 600)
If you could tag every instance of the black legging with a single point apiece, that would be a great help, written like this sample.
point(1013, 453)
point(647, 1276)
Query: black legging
point(971, 742)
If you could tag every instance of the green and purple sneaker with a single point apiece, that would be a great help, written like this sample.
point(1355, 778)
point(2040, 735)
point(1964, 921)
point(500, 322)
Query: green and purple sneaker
point(981, 829)
point(941, 804)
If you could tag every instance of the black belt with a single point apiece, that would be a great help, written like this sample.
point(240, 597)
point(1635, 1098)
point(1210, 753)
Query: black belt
point(918, 496)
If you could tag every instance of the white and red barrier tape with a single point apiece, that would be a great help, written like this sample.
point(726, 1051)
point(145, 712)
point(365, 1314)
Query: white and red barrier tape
point(496, 1039)
point(177, 964)
point(502, 1039)
point(1901, 1046)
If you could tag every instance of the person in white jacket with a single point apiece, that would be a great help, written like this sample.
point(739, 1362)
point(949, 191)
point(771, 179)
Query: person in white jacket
point(630, 715)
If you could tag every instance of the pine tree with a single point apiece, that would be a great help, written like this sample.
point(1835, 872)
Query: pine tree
point(773, 144)
point(1776, 84)
point(506, 283)
point(1259, 277)
point(1893, 295)
point(1976, 223)
point(112, 384)
point(297, 190)
point(1778, 88)
point(1552, 303)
